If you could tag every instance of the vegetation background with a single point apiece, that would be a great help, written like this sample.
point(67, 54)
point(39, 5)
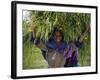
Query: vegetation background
point(72, 25)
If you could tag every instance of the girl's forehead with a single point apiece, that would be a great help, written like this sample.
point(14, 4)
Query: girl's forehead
point(57, 32)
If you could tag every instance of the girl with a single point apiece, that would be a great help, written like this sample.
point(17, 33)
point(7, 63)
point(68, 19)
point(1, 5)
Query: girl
point(53, 49)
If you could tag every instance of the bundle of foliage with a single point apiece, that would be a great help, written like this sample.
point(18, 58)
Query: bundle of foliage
point(72, 25)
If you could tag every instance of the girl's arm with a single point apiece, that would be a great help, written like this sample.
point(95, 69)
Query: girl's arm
point(39, 43)
point(79, 42)
point(82, 36)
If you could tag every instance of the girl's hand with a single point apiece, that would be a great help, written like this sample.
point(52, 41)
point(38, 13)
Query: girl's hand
point(73, 47)
point(65, 52)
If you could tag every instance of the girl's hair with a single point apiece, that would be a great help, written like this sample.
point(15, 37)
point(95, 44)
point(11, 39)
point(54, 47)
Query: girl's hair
point(58, 30)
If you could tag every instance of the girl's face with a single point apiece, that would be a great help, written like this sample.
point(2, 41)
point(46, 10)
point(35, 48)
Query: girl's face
point(57, 36)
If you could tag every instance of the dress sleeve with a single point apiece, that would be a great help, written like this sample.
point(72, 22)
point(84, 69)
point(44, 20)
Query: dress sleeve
point(78, 44)
point(34, 40)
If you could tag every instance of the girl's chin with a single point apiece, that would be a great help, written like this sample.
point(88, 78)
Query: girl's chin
point(57, 41)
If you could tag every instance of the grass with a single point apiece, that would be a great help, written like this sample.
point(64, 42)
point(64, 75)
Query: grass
point(32, 57)
point(84, 55)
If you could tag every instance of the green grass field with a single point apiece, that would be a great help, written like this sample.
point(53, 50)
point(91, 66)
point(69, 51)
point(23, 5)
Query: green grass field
point(32, 57)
